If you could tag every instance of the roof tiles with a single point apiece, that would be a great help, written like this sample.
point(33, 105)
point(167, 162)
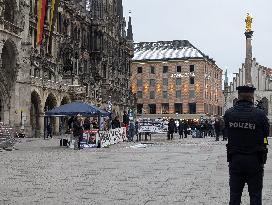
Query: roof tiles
point(164, 50)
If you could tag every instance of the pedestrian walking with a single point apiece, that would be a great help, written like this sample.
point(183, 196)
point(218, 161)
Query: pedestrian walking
point(217, 129)
point(125, 119)
point(131, 130)
point(185, 128)
point(49, 130)
point(211, 129)
point(181, 129)
point(137, 130)
point(116, 123)
point(77, 131)
point(94, 124)
point(246, 128)
point(171, 129)
point(87, 123)
point(201, 128)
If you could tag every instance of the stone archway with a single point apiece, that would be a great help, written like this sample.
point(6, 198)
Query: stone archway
point(8, 73)
point(50, 103)
point(35, 112)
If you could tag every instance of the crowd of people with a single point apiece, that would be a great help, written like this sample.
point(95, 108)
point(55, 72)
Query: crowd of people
point(77, 125)
point(202, 129)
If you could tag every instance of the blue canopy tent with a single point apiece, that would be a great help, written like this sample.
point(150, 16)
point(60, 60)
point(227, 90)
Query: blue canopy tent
point(75, 108)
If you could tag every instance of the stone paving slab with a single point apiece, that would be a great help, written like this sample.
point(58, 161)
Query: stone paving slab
point(186, 171)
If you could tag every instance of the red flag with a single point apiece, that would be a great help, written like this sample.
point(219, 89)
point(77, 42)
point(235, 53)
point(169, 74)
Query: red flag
point(40, 24)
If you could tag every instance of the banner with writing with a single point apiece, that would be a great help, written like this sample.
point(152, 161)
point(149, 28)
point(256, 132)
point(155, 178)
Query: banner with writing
point(112, 136)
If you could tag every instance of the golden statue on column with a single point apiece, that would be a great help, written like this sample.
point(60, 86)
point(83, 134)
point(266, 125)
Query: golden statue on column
point(248, 22)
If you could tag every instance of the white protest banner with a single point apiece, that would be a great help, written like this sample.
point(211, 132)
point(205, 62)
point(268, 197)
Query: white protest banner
point(112, 136)
point(152, 126)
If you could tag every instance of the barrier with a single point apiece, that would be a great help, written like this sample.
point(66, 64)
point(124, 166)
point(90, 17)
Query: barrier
point(114, 136)
point(101, 138)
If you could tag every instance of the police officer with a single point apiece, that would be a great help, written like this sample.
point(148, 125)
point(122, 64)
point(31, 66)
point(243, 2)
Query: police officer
point(246, 127)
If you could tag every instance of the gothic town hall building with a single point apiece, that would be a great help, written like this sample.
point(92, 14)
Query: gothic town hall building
point(89, 59)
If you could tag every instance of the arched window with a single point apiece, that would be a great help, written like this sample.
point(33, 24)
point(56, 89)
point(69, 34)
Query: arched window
point(9, 10)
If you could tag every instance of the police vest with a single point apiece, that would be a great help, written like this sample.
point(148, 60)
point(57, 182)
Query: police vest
point(244, 128)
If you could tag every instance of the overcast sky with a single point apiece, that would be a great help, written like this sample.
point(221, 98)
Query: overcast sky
point(216, 27)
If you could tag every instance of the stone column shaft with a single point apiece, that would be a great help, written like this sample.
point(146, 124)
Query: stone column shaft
point(248, 60)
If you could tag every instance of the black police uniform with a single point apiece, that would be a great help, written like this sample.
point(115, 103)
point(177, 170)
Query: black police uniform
point(246, 127)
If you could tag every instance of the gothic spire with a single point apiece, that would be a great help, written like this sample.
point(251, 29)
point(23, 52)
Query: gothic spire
point(226, 81)
point(120, 8)
point(129, 30)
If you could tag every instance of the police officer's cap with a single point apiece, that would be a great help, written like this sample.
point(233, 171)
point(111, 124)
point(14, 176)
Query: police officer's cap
point(249, 88)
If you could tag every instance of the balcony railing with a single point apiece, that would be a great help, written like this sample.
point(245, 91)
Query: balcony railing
point(77, 89)
point(49, 84)
point(10, 27)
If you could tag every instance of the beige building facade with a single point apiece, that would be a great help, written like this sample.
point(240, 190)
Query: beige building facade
point(174, 77)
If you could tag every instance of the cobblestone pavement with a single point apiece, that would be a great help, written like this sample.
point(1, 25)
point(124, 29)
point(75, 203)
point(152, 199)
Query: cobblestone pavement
point(188, 171)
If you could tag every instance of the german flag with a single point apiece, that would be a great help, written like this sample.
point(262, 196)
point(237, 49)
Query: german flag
point(41, 15)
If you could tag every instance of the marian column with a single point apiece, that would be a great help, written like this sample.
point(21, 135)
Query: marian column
point(248, 60)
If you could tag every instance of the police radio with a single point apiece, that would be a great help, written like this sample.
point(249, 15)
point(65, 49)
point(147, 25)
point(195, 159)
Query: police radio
point(259, 105)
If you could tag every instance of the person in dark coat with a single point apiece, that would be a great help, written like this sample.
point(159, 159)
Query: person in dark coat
point(77, 131)
point(201, 128)
point(217, 128)
point(125, 119)
point(246, 128)
point(185, 128)
point(49, 130)
point(210, 129)
point(87, 124)
point(137, 130)
point(225, 137)
point(94, 124)
point(131, 130)
point(171, 128)
point(70, 122)
point(181, 129)
point(116, 123)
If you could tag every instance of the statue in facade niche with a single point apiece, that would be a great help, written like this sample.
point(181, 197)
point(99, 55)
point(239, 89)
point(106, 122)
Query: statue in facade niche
point(248, 22)
point(2, 8)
